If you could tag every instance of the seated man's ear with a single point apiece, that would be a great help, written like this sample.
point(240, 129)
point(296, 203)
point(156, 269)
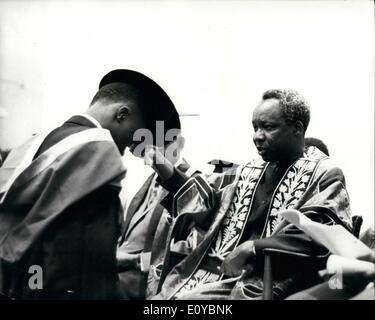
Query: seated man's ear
point(299, 127)
point(122, 112)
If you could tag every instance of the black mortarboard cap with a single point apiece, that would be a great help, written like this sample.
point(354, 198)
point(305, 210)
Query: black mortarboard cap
point(158, 105)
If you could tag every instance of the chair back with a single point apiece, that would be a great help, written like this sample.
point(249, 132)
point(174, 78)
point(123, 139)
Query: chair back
point(357, 224)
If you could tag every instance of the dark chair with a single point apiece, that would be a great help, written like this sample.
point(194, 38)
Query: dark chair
point(357, 224)
point(268, 253)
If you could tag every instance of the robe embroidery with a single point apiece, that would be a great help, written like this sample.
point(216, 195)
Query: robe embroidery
point(292, 187)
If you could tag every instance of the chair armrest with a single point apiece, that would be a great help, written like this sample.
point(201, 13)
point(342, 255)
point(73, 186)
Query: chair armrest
point(267, 271)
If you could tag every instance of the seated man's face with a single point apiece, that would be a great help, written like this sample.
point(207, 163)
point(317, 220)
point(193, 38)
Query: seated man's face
point(273, 136)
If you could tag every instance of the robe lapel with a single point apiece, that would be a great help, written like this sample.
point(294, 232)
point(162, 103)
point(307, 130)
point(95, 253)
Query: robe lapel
point(140, 214)
point(134, 205)
point(154, 221)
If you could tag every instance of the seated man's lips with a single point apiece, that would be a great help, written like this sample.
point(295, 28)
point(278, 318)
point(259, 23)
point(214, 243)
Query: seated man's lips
point(262, 151)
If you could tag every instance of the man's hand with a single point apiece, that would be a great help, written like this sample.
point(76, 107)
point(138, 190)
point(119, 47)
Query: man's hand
point(236, 261)
point(162, 166)
point(127, 260)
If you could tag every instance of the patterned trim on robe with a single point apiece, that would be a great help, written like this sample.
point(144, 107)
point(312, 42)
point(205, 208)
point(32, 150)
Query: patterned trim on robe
point(205, 192)
point(296, 180)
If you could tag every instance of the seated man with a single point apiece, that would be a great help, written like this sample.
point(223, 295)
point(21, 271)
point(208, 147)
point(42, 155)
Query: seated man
point(59, 203)
point(218, 235)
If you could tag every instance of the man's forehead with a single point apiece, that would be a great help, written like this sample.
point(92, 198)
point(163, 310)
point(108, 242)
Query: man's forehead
point(267, 109)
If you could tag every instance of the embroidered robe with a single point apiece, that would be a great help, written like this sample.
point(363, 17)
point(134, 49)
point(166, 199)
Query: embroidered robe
point(208, 225)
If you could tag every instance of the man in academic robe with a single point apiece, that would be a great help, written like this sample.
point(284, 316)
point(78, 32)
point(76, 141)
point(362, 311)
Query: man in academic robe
point(59, 203)
point(141, 221)
point(216, 246)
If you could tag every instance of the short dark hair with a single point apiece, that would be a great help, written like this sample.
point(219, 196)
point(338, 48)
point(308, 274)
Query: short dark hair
point(315, 142)
point(117, 91)
point(293, 105)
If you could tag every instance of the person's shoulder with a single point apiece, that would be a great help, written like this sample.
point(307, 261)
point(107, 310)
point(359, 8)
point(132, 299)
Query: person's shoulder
point(329, 164)
point(325, 162)
point(94, 145)
point(329, 169)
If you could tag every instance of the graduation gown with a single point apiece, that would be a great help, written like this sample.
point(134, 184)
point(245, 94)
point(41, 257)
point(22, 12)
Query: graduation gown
point(60, 210)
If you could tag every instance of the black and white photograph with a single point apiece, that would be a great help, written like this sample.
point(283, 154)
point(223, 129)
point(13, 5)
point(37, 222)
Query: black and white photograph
point(187, 150)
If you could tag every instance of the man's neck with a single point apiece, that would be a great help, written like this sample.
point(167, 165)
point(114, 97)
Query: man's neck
point(287, 161)
point(98, 116)
point(91, 119)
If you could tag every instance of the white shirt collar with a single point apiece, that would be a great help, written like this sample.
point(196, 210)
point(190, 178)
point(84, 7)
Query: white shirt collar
point(91, 119)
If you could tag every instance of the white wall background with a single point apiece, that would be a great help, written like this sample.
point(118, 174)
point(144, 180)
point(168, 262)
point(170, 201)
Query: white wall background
point(214, 58)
